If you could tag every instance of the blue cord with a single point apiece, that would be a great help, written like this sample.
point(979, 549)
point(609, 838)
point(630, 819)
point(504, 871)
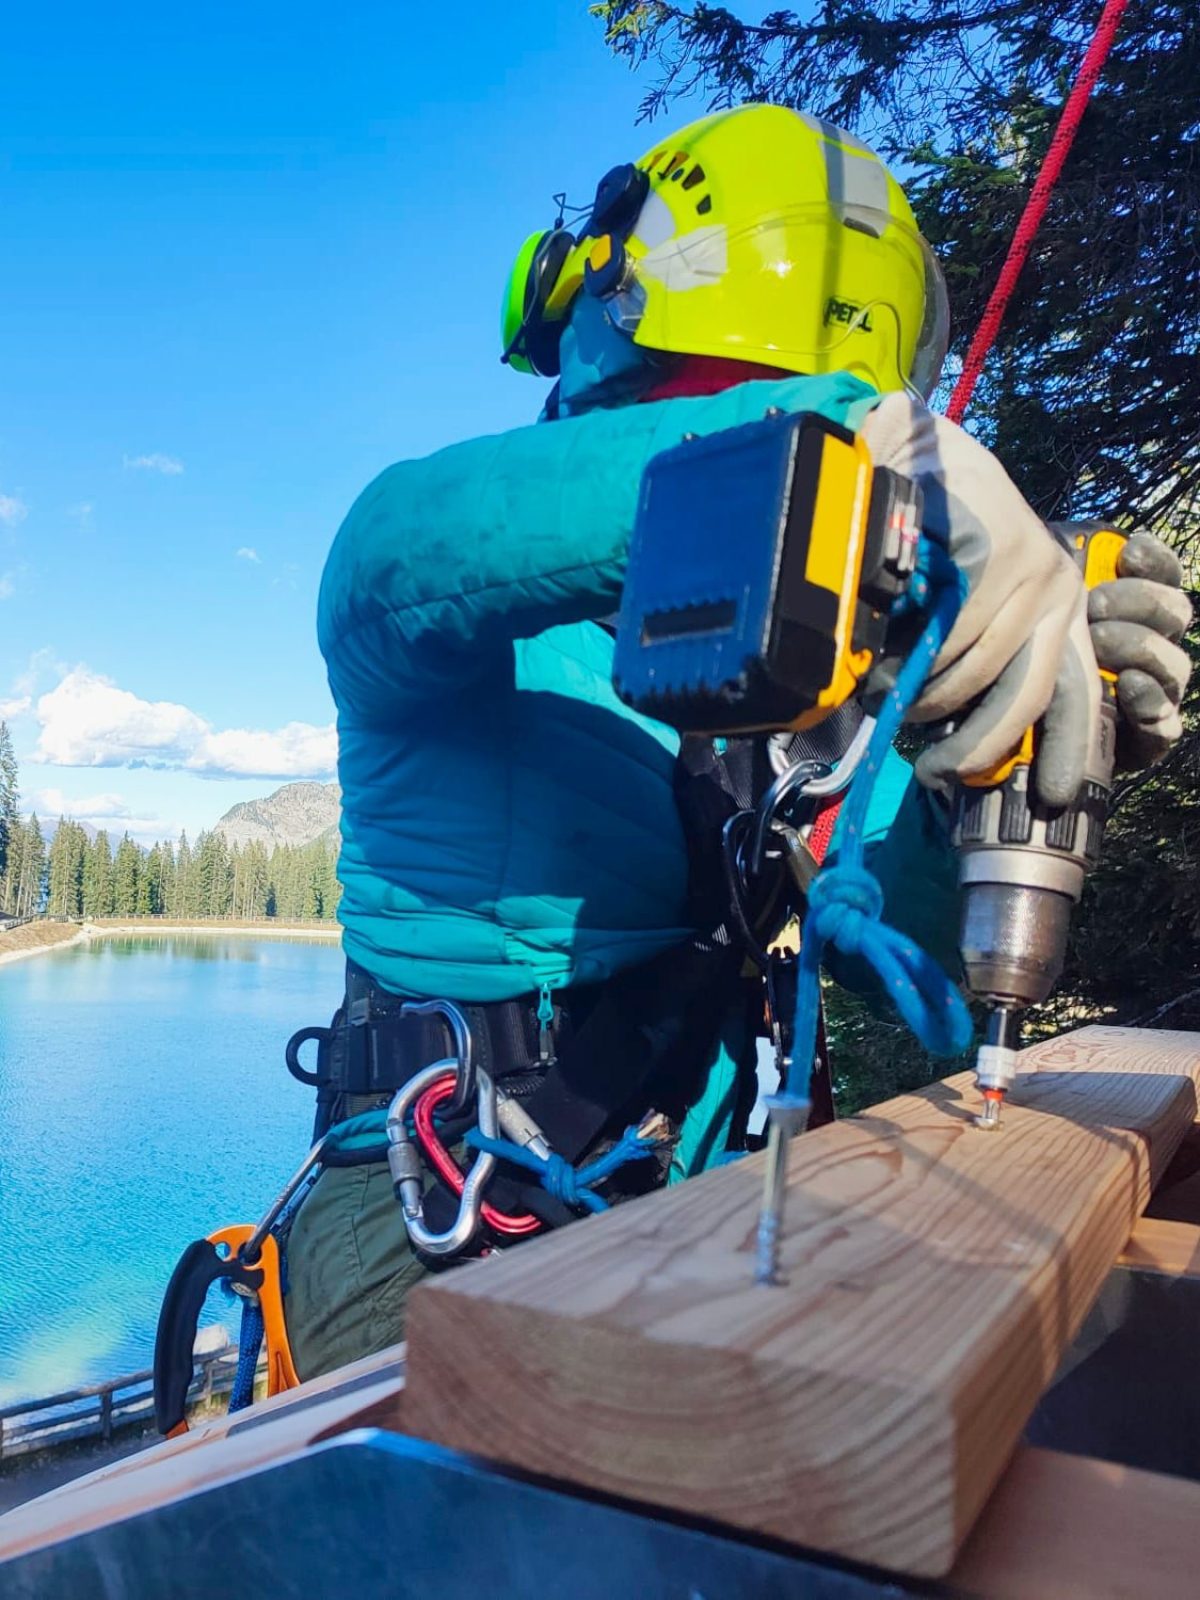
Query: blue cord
point(249, 1345)
point(571, 1185)
point(845, 903)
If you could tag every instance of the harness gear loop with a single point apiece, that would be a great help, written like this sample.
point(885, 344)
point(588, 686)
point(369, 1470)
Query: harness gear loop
point(1035, 207)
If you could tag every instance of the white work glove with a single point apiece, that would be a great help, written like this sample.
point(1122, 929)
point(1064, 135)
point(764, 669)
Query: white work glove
point(1135, 623)
point(1020, 650)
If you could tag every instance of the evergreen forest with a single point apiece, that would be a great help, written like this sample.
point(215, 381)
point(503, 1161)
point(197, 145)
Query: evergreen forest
point(65, 870)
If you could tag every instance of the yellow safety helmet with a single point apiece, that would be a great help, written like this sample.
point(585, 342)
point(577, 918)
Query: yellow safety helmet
point(759, 234)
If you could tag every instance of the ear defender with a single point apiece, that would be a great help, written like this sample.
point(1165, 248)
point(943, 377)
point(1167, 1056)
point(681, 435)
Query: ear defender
point(531, 340)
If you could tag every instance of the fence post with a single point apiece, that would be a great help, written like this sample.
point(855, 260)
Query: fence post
point(106, 1416)
point(207, 1386)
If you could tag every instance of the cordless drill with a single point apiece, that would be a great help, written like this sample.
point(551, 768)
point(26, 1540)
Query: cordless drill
point(763, 569)
point(1022, 865)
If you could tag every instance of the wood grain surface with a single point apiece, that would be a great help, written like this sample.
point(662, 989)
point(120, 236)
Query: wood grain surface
point(935, 1274)
point(1069, 1528)
point(1172, 1248)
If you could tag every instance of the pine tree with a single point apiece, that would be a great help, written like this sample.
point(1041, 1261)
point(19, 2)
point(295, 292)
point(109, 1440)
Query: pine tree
point(98, 878)
point(150, 884)
point(10, 883)
point(9, 812)
point(183, 897)
point(67, 851)
point(126, 873)
point(32, 888)
point(166, 893)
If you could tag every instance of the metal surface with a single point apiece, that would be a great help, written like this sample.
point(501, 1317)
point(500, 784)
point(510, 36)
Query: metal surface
point(797, 780)
point(1013, 941)
point(373, 1516)
point(252, 1248)
point(464, 1049)
point(788, 1115)
point(407, 1173)
point(1126, 1390)
point(996, 1065)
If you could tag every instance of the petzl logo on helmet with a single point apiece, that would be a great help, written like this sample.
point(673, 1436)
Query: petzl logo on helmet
point(848, 313)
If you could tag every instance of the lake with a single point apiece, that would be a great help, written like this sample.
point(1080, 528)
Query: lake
point(143, 1103)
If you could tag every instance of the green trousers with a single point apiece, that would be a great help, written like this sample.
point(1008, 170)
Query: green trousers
point(350, 1268)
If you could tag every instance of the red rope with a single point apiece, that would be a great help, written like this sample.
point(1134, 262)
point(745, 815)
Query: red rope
point(1035, 209)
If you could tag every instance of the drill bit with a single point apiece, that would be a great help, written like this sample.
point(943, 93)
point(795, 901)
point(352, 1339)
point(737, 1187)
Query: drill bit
point(996, 1065)
point(788, 1116)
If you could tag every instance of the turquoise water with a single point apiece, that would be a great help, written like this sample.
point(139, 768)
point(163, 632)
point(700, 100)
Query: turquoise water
point(143, 1103)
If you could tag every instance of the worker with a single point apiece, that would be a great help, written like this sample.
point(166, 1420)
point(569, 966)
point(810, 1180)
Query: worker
point(516, 840)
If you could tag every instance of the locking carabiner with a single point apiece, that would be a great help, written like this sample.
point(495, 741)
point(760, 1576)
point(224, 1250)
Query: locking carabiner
point(404, 1160)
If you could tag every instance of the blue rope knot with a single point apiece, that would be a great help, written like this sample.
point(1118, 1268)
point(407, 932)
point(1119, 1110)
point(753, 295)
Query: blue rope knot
point(561, 1181)
point(571, 1185)
point(845, 905)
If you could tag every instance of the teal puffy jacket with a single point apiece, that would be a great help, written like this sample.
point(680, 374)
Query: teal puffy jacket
point(507, 823)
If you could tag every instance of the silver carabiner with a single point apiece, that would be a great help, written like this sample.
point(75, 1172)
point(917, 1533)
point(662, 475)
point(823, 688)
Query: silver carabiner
point(404, 1160)
point(792, 782)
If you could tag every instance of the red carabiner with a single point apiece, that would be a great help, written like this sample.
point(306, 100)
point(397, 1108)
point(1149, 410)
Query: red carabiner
point(443, 1162)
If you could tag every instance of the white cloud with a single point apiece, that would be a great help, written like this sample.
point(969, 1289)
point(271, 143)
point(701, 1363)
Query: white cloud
point(12, 510)
point(43, 664)
point(82, 514)
point(108, 812)
point(87, 721)
point(7, 586)
point(16, 707)
point(245, 553)
point(169, 466)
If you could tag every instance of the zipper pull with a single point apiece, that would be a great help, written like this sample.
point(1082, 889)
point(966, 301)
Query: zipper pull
point(545, 1017)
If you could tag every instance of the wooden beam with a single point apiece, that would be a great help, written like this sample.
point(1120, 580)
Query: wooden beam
point(1078, 1529)
point(935, 1275)
point(1172, 1248)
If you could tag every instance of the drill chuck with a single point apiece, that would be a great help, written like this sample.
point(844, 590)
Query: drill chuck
point(1021, 867)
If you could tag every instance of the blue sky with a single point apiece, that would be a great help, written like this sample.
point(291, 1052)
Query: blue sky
point(252, 254)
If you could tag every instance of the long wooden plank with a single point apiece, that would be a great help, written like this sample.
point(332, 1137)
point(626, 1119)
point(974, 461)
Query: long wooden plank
point(1071, 1528)
point(935, 1273)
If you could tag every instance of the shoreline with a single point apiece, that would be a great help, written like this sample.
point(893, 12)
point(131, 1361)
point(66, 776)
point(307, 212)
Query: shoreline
point(151, 925)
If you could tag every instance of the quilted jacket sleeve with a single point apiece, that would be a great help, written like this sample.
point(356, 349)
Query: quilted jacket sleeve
point(443, 562)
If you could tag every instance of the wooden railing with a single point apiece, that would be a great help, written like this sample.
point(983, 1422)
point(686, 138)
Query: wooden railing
point(99, 1410)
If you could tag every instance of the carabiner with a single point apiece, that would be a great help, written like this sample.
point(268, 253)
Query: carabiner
point(805, 780)
point(404, 1160)
point(460, 1030)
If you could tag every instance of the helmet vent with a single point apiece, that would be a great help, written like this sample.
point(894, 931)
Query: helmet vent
point(861, 224)
point(695, 176)
point(704, 206)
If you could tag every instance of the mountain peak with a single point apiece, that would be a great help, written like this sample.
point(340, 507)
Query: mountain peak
point(295, 814)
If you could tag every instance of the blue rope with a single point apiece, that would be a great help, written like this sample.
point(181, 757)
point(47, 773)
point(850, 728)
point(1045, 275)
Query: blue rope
point(249, 1345)
point(571, 1185)
point(845, 903)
